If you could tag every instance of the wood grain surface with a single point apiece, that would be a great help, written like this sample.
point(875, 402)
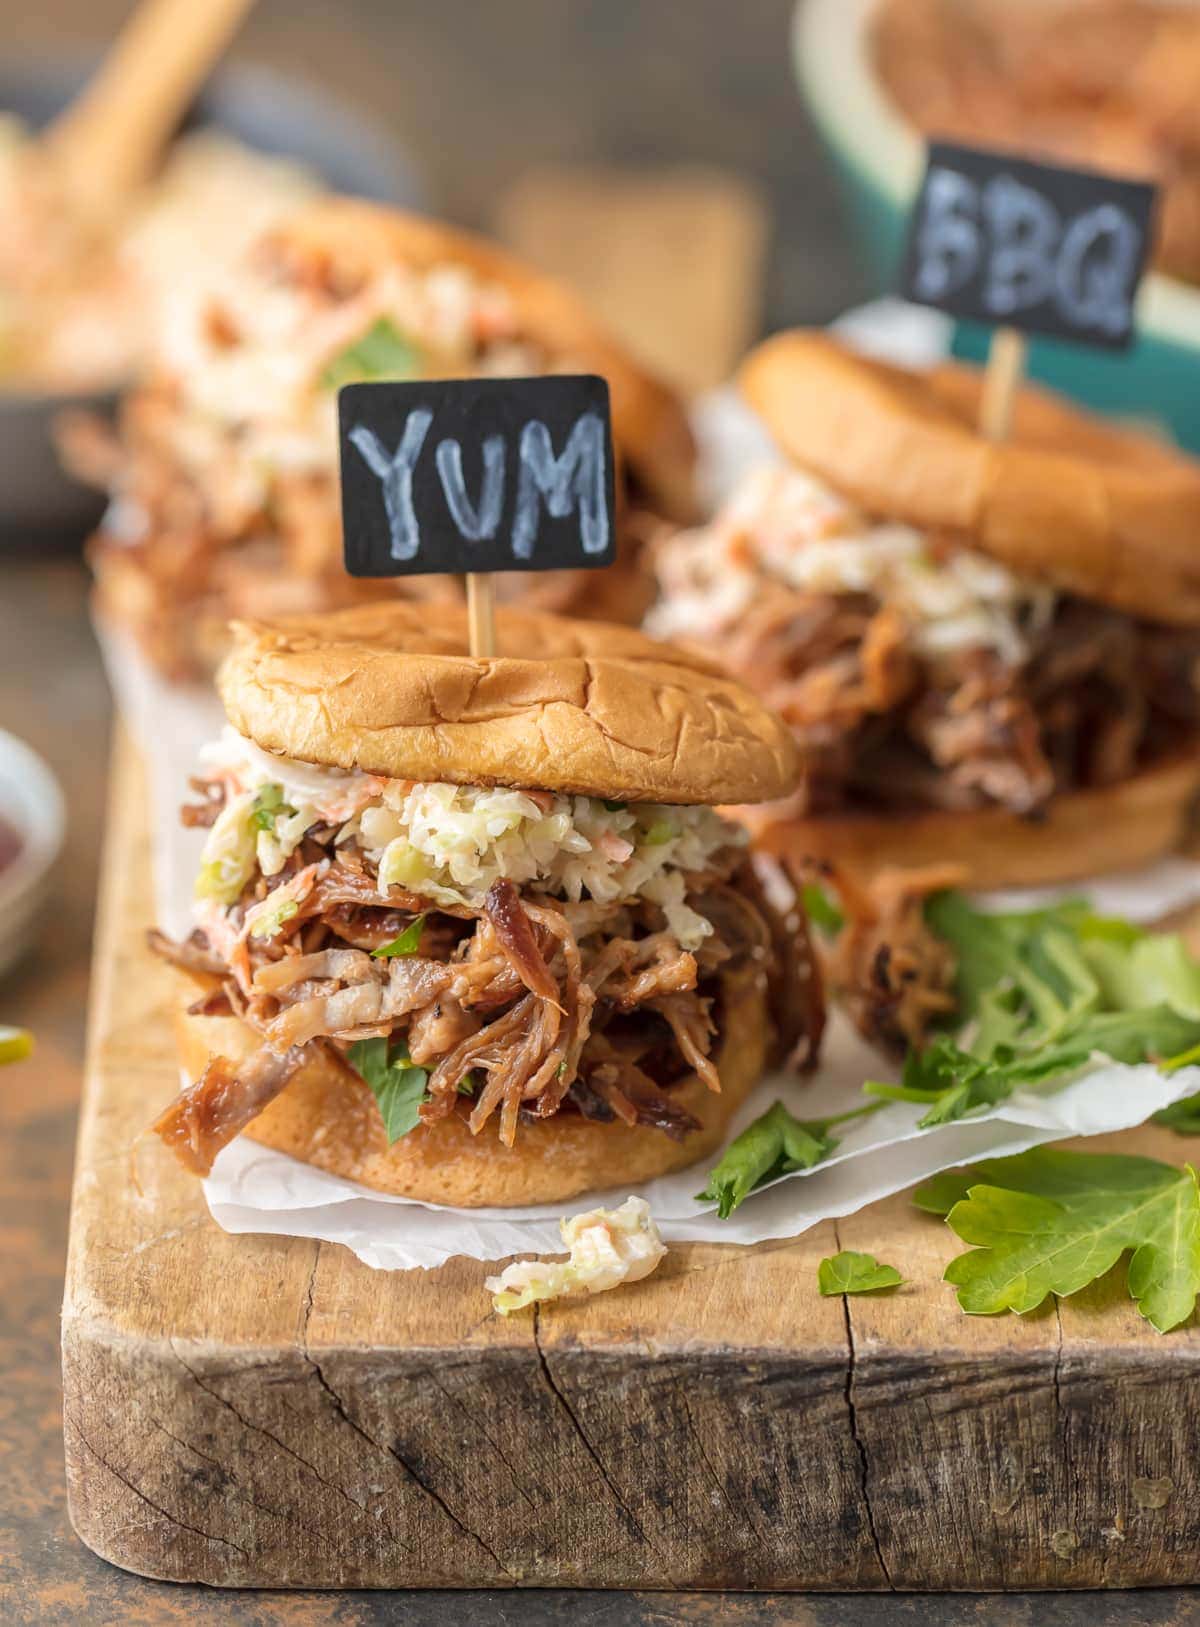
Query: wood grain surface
point(263, 1411)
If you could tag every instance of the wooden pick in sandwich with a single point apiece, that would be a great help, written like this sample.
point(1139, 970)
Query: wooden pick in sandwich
point(468, 477)
point(481, 613)
point(1026, 247)
point(1001, 381)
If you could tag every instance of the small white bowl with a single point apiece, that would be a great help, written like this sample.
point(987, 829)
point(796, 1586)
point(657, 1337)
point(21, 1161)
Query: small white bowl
point(32, 803)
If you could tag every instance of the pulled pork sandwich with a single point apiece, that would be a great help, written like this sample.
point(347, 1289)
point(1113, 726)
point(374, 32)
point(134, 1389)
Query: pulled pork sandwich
point(471, 930)
point(987, 653)
point(222, 474)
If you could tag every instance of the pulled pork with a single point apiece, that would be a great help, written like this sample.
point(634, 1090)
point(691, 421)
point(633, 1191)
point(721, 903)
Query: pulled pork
point(891, 974)
point(523, 1007)
point(210, 521)
point(1097, 697)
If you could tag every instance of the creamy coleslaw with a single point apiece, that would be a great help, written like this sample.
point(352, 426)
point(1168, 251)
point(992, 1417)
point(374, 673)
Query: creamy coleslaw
point(790, 526)
point(449, 843)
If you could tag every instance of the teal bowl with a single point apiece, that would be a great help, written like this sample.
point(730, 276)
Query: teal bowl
point(878, 158)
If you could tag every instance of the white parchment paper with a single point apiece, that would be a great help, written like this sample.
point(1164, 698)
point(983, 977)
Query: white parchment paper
point(253, 1189)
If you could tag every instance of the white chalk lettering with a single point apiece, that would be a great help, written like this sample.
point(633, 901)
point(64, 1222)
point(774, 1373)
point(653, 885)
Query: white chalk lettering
point(1025, 232)
point(575, 478)
point(948, 240)
point(1096, 266)
point(474, 524)
point(395, 473)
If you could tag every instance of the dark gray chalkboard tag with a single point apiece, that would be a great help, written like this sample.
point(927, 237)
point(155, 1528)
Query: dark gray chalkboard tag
point(477, 475)
point(1000, 239)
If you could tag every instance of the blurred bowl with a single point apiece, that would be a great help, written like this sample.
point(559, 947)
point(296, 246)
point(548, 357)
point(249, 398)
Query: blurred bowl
point(879, 157)
point(261, 109)
point(32, 804)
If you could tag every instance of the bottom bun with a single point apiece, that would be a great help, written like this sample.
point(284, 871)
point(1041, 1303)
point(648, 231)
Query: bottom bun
point(1081, 833)
point(328, 1117)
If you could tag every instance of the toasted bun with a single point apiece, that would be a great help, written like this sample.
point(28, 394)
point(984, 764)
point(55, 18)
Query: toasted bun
point(568, 706)
point(649, 422)
point(328, 1117)
point(1082, 834)
point(1093, 509)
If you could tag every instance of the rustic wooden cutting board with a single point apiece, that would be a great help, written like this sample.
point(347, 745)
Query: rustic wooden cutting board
point(263, 1412)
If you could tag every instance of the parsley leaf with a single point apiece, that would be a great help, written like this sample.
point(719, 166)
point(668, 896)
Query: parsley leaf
point(775, 1144)
point(853, 1273)
point(1039, 993)
point(821, 910)
point(408, 943)
point(268, 805)
point(1051, 1221)
point(1182, 1117)
point(382, 352)
point(395, 1082)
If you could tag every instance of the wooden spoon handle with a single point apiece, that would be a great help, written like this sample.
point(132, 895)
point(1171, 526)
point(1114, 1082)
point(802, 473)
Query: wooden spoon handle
point(109, 139)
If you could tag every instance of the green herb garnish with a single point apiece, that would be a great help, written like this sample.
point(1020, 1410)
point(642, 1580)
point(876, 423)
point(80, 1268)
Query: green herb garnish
point(775, 1144)
point(383, 352)
point(1051, 1222)
point(397, 1084)
point(821, 910)
point(852, 1273)
point(1182, 1117)
point(1039, 995)
point(408, 943)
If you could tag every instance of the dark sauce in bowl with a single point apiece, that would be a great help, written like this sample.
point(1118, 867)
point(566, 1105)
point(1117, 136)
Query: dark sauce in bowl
point(10, 844)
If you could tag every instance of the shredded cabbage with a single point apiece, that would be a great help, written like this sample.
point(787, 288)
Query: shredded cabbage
point(790, 526)
point(227, 862)
point(266, 402)
point(449, 843)
point(265, 920)
point(607, 1247)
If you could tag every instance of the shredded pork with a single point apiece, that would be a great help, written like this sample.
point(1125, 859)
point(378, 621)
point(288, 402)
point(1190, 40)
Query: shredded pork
point(223, 496)
point(888, 970)
point(518, 1008)
point(914, 673)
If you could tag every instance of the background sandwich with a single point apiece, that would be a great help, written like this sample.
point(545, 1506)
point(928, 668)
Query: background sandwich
point(988, 653)
point(471, 931)
point(223, 471)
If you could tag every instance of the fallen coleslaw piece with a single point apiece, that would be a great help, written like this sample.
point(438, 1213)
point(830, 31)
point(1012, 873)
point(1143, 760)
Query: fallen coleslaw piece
point(607, 1247)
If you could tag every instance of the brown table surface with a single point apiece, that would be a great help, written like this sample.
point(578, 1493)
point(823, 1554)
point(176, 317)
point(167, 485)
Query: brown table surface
point(52, 692)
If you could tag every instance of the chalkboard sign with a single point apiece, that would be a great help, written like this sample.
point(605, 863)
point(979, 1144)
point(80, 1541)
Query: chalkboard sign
point(995, 238)
point(476, 475)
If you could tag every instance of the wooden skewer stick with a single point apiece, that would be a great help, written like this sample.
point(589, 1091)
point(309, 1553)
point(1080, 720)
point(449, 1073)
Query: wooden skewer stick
point(481, 613)
point(1001, 381)
point(109, 140)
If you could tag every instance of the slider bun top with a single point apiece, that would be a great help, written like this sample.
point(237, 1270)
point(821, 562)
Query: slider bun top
point(579, 707)
point(649, 422)
point(1093, 509)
